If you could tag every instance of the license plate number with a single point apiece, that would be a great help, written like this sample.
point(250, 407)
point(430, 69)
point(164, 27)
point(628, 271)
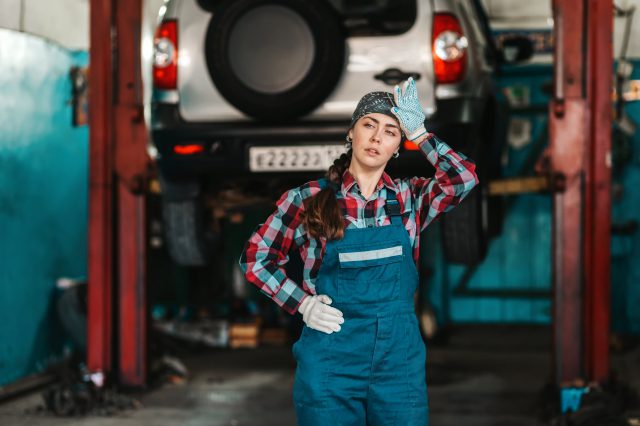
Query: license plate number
point(293, 158)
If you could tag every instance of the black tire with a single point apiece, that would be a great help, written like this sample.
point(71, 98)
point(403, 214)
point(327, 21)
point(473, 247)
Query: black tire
point(189, 238)
point(184, 233)
point(465, 229)
point(310, 83)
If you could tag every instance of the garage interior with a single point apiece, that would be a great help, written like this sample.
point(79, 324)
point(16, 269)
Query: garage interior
point(529, 295)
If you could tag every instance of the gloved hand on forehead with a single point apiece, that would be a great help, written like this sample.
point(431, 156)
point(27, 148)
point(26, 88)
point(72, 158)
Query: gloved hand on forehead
point(408, 110)
point(317, 314)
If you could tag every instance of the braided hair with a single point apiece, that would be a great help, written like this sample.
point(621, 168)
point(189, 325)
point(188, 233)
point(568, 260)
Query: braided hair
point(322, 216)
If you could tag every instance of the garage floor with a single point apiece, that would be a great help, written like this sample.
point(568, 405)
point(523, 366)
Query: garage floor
point(485, 376)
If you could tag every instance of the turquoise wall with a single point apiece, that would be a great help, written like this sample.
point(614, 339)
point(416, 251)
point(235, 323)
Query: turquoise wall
point(520, 258)
point(43, 199)
point(625, 249)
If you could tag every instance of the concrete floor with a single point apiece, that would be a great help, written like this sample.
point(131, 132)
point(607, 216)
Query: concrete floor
point(485, 376)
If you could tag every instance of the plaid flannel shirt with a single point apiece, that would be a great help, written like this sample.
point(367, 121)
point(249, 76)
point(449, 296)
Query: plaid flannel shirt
point(421, 201)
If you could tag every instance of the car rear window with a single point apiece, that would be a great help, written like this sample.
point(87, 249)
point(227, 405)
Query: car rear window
point(376, 17)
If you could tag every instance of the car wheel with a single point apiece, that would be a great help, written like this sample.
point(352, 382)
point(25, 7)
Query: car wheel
point(189, 239)
point(188, 242)
point(275, 59)
point(465, 229)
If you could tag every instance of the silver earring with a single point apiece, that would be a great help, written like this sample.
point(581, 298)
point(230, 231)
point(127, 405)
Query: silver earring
point(396, 154)
point(347, 145)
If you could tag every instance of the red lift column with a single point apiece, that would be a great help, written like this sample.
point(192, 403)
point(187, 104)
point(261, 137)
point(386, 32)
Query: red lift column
point(579, 156)
point(118, 166)
point(598, 192)
point(101, 170)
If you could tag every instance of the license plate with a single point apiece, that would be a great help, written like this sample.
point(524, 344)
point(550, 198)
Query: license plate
point(293, 158)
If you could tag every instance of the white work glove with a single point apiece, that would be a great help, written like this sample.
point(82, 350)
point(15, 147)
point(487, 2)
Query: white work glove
point(317, 314)
point(409, 111)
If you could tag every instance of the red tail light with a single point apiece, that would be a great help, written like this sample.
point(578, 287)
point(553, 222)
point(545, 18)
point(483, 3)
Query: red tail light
point(410, 146)
point(188, 149)
point(165, 56)
point(449, 49)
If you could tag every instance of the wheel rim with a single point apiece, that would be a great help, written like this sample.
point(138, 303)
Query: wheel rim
point(271, 49)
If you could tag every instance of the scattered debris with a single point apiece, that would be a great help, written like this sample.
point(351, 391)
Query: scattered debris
point(212, 333)
point(80, 393)
point(168, 369)
point(274, 336)
point(71, 306)
point(605, 405)
point(245, 334)
point(242, 333)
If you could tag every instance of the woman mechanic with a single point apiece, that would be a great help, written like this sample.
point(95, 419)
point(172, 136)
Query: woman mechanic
point(360, 357)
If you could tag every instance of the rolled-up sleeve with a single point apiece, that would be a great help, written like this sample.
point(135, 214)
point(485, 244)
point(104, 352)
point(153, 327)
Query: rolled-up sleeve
point(454, 179)
point(266, 252)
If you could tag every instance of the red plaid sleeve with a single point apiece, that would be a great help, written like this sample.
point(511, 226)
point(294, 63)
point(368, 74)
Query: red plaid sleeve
point(266, 251)
point(454, 179)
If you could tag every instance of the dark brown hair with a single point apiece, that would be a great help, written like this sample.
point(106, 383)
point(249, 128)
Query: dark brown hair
point(322, 216)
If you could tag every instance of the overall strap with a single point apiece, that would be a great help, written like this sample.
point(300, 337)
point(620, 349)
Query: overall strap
point(392, 207)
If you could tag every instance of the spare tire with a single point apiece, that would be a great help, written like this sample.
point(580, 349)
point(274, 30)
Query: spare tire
point(275, 59)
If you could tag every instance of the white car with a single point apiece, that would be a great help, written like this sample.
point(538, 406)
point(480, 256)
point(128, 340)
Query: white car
point(249, 90)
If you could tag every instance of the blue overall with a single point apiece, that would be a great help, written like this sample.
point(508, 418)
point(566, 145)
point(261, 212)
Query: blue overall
point(372, 371)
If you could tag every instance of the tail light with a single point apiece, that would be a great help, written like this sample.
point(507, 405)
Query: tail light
point(410, 146)
point(165, 56)
point(188, 149)
point(449, 48)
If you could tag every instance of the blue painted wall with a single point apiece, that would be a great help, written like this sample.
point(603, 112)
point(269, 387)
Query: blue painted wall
point(43, 199)
point(625, 249)
point(520, 258)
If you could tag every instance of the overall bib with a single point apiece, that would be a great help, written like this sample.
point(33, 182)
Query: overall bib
point(372, 371)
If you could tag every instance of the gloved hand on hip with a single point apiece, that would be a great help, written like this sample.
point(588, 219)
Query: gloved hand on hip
point(317, 314)
point(409, 111)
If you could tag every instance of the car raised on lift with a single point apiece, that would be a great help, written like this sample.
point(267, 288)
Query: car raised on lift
point(259, 93)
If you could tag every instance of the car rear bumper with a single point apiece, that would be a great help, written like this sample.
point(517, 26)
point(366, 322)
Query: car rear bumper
point(226, 145)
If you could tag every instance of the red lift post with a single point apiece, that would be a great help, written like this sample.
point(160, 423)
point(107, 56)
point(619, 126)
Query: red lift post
point(118, 165)
point(579, 155)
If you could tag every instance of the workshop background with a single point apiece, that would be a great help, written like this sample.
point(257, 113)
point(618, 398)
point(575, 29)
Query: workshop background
point(211, 332)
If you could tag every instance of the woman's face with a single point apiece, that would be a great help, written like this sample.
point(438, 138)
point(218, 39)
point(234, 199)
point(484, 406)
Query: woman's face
point(375, 138)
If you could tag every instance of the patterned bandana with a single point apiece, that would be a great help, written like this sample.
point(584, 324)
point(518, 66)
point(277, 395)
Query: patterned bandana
point(380, 102)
